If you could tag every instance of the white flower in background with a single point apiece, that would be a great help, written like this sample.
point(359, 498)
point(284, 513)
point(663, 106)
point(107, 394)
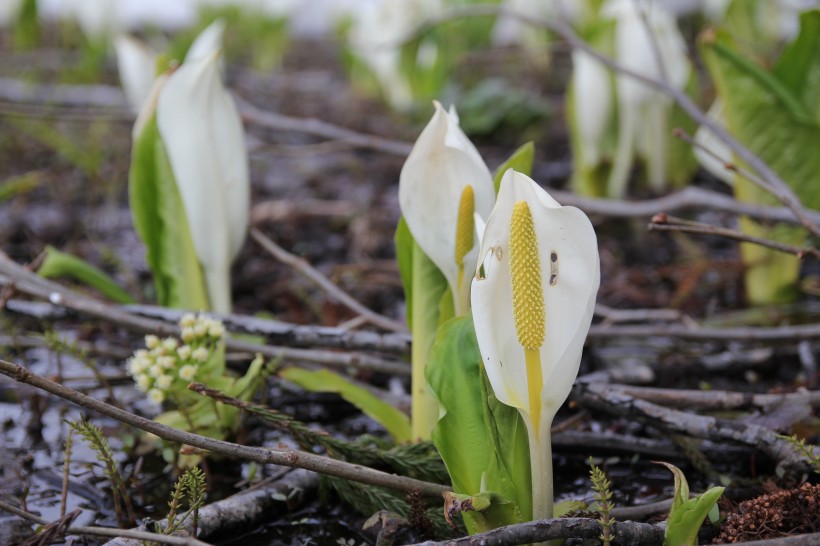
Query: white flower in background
point(164, 382)
point(136, 63)
point(98, 19)
point(9, 10)
point(156, 396)
point(533, 299)
point(510, 30)
point(643, 112)
point(709, 140)
point(184, 352)
point(378, 29)
point(592, 104)
point(200, 354)
point(203, 135)
point(207, 43)
point(443, 183)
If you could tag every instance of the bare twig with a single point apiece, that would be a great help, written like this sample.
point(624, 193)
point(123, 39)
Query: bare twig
point(663, 222)
point(249, 508)
point(688, 198)
point(284, 457)
point(303, 267)
point(762, 438)
point(271, 120)
point(625, 532)
point(715, 400)
point(106, 531)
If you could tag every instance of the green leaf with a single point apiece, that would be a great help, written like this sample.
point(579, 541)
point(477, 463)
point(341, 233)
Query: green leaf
point(768, 116)
point(687, 515)
point(483, 443)
point(404, 257)
point(799, 66)
point(393, 420)
point(22, 183)
point(61, 264)
point(160, 220)
point(454, 375)
point(520, 160)
point(481, 512)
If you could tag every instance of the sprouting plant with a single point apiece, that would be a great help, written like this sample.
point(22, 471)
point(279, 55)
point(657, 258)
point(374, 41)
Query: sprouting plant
point(93, 434)
point(165, 367)
point(603, 496)
point(687, 514)
point(190, 486)
point(806, 450)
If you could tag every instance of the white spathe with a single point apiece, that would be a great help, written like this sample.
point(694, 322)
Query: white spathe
point(643, 111)
point(137, 65)
point(569, 300)
point(203, 135)
point(441, 164)
point(207, 42)
point(568, 269)
point(592, 107)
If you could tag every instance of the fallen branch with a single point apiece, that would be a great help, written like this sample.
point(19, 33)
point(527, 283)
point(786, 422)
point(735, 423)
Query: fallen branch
point(137, 537)
point(625, 532)
point(247, 509)
point(598, 397)
point(284, 457)
point(302, 266)
point(663, 222)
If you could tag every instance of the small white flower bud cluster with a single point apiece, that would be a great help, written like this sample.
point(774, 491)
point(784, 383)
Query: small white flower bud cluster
point(166, 366)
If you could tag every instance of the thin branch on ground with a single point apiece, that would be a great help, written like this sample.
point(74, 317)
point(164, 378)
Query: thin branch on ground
point(270, 120)
point(284, 457)
point(715, 400)
point(625, 532)
point(302, 266)
point(249, 508)
point(106, 531)
point(772, 183)
point(690, 197)
point(664, 222)
point(597, 396)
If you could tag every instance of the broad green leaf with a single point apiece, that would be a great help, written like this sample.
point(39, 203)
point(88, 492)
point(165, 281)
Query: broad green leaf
point(520, 160)
point(799, 66)
point(770, 119)
point(483, 443)
point(160, 220)
point(687, 515)
point(508, 469)
point(454, 375)
point(393, 420)
point(61, 264)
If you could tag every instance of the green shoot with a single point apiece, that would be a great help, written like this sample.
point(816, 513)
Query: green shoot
point(603, 496)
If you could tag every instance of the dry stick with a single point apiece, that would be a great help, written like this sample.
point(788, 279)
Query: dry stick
point(250, 508)
point(106, 531)
point(663, 222)
point(302, 266)
point(294, 334)
point(284, 457)
point(271, 120)
point(766, 440)
point(714, 400)
point(687, 198)
point(771, 182)
point(29, 283)
point(626, 532)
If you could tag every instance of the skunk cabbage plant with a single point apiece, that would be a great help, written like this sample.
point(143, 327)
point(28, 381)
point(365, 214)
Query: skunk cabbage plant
point(533, 298)
point(443, 185)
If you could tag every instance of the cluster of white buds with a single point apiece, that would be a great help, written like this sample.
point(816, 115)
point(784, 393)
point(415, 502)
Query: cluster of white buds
point(167, 365)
